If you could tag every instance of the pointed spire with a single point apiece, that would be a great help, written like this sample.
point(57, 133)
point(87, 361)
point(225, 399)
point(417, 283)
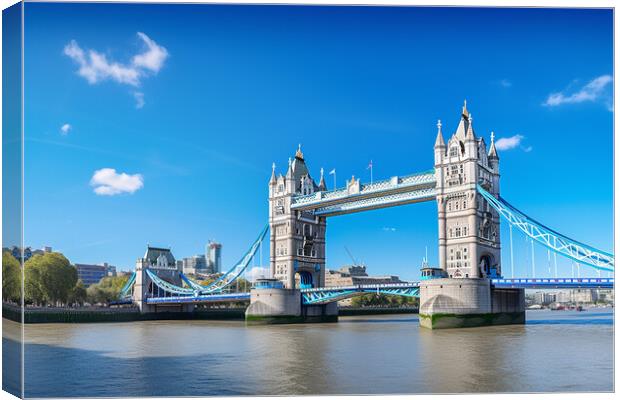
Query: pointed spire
point(299, 154)
point(470, 128)
point(465, 113)
point(273, 173)
point(439, 140)
point(493, 150)
point(322, 185)
point(289, 171)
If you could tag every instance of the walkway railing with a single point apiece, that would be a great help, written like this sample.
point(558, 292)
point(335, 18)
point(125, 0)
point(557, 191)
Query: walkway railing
point(321, 199)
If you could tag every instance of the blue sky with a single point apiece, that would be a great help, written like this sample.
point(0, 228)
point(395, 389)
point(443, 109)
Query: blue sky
point(194, 102)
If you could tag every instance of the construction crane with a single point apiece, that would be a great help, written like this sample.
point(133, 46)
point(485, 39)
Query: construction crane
point(351, 255)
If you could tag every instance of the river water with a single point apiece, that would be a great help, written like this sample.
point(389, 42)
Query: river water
point(555, 351)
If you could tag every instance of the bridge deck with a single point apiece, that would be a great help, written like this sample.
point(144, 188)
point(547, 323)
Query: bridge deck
point(385, 193)
point(330, 294)
point(555, 283)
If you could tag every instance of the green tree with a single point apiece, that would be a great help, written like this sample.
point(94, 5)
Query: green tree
point(50, 277)
point(11, 278)
point(212, 278)
point(78, 295)
point(106, 290)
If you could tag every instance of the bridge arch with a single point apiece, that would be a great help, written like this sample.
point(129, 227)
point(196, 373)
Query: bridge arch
point(304, 280)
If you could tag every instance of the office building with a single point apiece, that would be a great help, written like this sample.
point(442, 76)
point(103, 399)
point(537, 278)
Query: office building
point(214, 257)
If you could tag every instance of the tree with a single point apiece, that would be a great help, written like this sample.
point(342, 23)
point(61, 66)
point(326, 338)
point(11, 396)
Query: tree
point(11, 278)
point(49, 278)
point(378, 300)
point(77, 295)
point(106, 290)
point(212, 278)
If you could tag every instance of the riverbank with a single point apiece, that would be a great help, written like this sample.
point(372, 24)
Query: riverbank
point(130, 314)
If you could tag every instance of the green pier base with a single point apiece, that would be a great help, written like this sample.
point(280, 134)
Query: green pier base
point(447, 321)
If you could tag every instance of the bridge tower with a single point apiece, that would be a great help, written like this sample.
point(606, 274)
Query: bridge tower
point(469, 235)
point(161, 262)
point(297, 238)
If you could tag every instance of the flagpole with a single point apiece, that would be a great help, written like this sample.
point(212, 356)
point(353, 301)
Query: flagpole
point(333, 172)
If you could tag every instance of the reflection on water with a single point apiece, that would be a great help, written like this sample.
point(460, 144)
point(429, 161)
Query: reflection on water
point(555, 351)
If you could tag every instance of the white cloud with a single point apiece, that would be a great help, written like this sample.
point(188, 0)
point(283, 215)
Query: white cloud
point(65, 129)
point(139, 96)
point(592, 91)
point(389, 229)
point(107, 182)
point(152, 59)
point(95, 67)
point(505, 83)
point(509, 142)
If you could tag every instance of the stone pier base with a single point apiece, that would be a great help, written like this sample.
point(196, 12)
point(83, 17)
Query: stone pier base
point(283, 306)
point(459, 303)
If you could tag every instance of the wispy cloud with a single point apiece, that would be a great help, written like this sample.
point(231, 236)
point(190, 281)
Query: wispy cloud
point(153, 58)
point(64, 130)
point(511, 142)
point(139, 96)
point(107, 182)
point(95, 67)
point(505, 83)
point(595, 90)
point(389, 229)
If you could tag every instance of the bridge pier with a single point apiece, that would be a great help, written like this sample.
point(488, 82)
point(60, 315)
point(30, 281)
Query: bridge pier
point(460, 303)
point(284, 306)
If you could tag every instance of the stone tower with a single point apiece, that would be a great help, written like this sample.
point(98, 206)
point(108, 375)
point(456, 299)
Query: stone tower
point(297, 238)
point(469, 241)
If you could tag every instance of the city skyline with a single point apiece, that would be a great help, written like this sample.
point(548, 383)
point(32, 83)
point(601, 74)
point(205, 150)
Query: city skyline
point(166, 134)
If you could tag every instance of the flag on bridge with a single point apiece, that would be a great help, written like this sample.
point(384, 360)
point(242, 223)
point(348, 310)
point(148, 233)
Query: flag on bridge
point(333, 172)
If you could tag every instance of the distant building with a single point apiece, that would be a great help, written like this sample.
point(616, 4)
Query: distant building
point(544, 298)
point(606, 295)
point(584, 295)
point(90, 274)
point(110, 269)
point(353, 270)
point(214, 257)
point(577, 296)
point(354, 275)
point(195, 264)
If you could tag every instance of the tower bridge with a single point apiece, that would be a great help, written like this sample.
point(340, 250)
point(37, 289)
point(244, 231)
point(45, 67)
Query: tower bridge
point(464, 182)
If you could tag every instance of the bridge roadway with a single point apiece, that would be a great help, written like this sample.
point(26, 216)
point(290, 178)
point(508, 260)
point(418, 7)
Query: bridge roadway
point(326, 295)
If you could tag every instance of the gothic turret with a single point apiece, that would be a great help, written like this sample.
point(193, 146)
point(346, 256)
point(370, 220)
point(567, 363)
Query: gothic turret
point(440, 145)
point(470, 129)
point(463, 127)
point(272, 181)
point(322, 186)
point(493, 151)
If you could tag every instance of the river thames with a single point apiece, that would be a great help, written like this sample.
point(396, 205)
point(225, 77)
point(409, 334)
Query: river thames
point(556, 351)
